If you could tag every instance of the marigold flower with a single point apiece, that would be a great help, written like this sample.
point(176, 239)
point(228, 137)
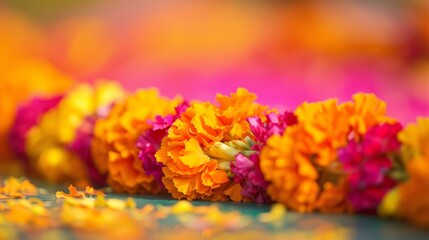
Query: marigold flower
point(199, 148)
point(296, 162)
point(366, 110)
point(302, 165)
point(114, 145)
point(325, 128)
point(410, 199)
point(292, 177)
point(415, 139)
point(19, 81)
point(47, 142)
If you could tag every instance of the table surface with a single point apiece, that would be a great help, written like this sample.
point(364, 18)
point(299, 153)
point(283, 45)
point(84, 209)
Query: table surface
point(293, 226)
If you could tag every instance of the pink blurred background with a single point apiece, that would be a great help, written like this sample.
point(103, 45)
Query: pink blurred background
point(285, 51)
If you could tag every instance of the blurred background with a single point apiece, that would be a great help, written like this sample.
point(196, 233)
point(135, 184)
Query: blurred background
point(285, 51)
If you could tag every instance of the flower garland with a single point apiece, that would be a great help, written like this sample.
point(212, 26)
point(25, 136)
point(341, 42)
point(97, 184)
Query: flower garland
point(47, 133)
point(326, 156)
point(114, 147)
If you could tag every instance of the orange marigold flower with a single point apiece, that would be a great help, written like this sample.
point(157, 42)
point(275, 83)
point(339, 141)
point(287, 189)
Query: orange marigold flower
point(301, 162)
point(291, 175)
point(114, 145)
point(410, 199)
point(325, 128)
point(302, 165)
point(196, 154)
point(19, 81)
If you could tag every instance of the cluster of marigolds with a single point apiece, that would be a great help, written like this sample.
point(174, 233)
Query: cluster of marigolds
point(327, 156)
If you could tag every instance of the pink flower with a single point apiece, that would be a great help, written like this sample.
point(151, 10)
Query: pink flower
point(368, 163)
point(275, 124)
point(81, 145)
point(27, 116)
point(248, 173)
point(150, 141)
point(246, 170)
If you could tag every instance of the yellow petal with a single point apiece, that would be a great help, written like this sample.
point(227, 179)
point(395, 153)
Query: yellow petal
point(193, 155)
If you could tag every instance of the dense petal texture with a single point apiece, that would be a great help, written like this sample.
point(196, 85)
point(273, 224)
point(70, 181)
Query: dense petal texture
point(114, 145)
point(368, 163)
point(274, 124)
point(27, 116)
point(195, 153)
point(150, 141)
point(248, 173)
point(47, 142)
point(246, 168)
point(367, 110)
point(302, 165)
point(410, 199)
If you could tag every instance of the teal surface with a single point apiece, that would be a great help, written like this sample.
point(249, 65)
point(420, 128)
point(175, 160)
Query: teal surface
point(360, 226)
point(357, 226)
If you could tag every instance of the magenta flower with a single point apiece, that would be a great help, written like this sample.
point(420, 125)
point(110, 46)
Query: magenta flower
point(275, 124)
point(81, 145)
point(150, 141)
point(27, 116)
point(246, 170)
point(368, 163)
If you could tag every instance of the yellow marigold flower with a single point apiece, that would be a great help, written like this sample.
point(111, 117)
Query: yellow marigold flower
point(114, 146)
point(410, 199)
point(196, 160)
point(415, 139)
point(46, 142)
point(298, 163)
